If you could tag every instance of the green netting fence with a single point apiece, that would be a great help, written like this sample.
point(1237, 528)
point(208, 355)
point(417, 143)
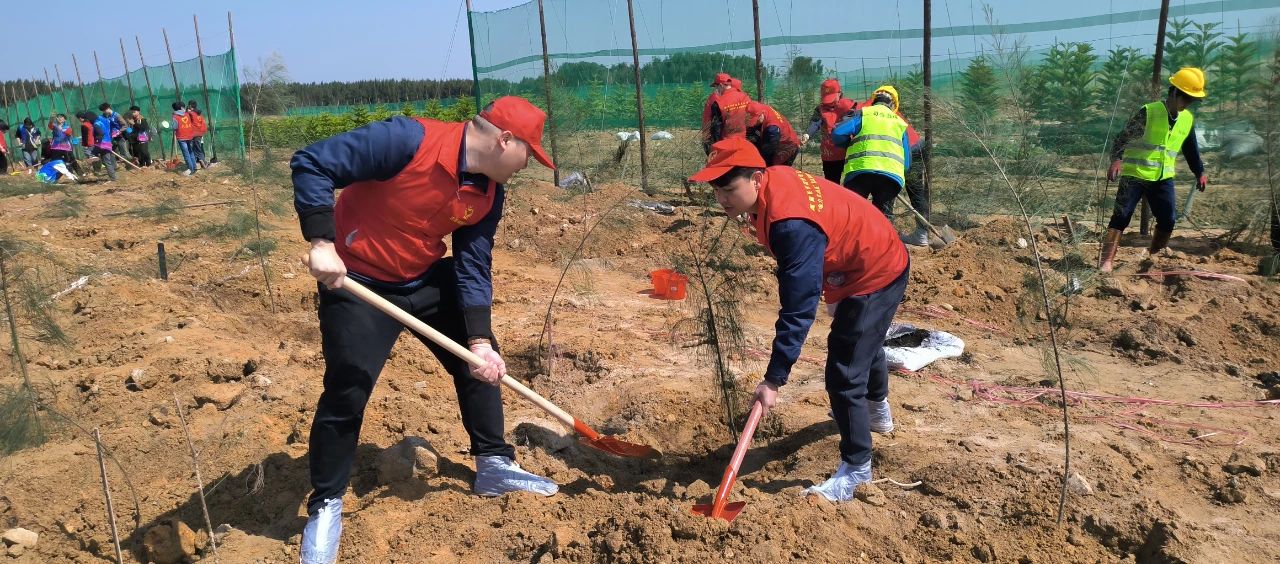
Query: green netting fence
point(222, 109)
point(1044, 85)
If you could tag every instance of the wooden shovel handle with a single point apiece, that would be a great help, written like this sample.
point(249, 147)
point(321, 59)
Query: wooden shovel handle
point(381, 304)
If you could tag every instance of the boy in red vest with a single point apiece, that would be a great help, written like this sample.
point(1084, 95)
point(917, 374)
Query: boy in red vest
point(832, 244)
point(407, 184)
point(728, 110)
point(184, 132)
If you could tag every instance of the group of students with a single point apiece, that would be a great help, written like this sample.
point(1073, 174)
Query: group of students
point(866, 146)
point(105, 136)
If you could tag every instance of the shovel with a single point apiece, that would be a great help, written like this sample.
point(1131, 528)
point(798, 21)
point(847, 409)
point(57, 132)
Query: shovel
point(718, 506)
point(588, 436)
point(945, 233)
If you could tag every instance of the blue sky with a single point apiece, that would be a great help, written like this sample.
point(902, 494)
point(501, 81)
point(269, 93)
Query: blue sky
point(330, 40)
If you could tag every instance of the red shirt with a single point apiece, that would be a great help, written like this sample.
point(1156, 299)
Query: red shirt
point(768, 117)
point(393, 230)
point(184, 126)
point(863, 252)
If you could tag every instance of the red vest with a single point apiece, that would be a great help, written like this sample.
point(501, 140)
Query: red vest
point(706, 112)
point(394, 230)
point(733, 110)
point(197, 124)
point(863, 252)
point(831, 113)
point(184, 128)
point(771, 118)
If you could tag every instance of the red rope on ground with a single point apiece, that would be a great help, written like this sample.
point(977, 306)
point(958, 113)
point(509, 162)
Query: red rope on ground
point(1131, 419)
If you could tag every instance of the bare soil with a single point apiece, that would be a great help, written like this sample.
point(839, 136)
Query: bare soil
point(1170, 482)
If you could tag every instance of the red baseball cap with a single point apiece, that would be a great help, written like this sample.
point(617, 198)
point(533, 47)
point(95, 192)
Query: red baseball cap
point(726, 154)
point(736, 84)
point(830, 90)
point(722, 78)
point(522, 119)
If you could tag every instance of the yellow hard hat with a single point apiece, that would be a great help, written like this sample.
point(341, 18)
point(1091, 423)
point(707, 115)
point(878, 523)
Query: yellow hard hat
point(891, 91)
point(1189, 80)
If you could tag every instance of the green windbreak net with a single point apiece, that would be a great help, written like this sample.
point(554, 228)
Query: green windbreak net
point(221, 109)
point(1036, 82)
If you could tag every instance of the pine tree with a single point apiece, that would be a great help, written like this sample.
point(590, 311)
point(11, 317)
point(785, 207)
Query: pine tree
point(1238, 66)
point(978, 89)
point(1064, 80)
point(1122, 81)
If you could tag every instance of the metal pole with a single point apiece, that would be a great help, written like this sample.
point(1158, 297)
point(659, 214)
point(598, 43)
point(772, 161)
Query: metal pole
point(546, 84)
point(635, 59)
point(177, 88)
point(53, 100)
point(755, 16)
point(1157, 61)
point(155, 108)
point(204, 83)
point(239, 112)
point(926, 150)
point(128, 79)
point(102, 83)
point(84, 100)
point(475, 75)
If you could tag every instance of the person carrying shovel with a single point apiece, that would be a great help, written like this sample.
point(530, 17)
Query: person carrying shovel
point(833, 244)
point(407, 183)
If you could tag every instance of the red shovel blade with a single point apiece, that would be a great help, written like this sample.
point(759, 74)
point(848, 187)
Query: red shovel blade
point(619, 447)
point(729, 512)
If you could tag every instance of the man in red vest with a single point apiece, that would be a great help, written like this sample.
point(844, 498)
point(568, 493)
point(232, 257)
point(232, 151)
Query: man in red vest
point(830, 110)
point(728, 110)
point(772, 134)
point(832, 244)
point(720, 78)
point(407, 184)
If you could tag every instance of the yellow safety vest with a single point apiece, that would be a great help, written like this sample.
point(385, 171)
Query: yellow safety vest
point(1151, 158)
point(878, 144)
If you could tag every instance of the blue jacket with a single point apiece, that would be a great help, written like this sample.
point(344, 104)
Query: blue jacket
point(102, 129)
point(848, 129)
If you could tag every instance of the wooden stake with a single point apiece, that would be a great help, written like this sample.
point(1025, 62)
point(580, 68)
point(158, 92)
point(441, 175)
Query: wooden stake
point(177, 87)
point(35, 89)
point(106, 494)
point(546, 85)
point(84, 100)
point(926, 148)
point(635, 59)
point(239, 111)
point(155, 108)
point(102, 83)
point(128, 79)
point(195, 465)
point(755, 16)
point(204, 81)
point(1157, 60)
point(162, 260)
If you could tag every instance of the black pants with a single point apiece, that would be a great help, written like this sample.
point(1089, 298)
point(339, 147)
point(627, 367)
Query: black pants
point(832, 170)
point(878, 188)
point(356, 339)
point(142, 151)
point(4, 163)
point(1159, 195)
point(856, 368)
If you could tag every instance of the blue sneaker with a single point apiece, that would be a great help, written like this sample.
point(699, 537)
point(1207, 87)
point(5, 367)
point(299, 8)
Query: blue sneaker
point(496, 475)
point(840, 486)
point(320, 537)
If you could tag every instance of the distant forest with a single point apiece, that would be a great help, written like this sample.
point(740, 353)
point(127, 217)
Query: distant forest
point(361, 92)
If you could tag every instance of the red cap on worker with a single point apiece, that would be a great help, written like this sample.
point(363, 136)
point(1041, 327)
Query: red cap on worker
point(726, 154)
point(721, 78)
point(736, 84)
point(522, 119)
point(830, 90)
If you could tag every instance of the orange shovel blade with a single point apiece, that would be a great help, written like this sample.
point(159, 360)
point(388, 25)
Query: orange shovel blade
point(728, 513)
point(619, 447)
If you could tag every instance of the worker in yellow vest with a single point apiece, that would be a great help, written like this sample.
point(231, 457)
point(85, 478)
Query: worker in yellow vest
point(1142, 157)
point(878, 150)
